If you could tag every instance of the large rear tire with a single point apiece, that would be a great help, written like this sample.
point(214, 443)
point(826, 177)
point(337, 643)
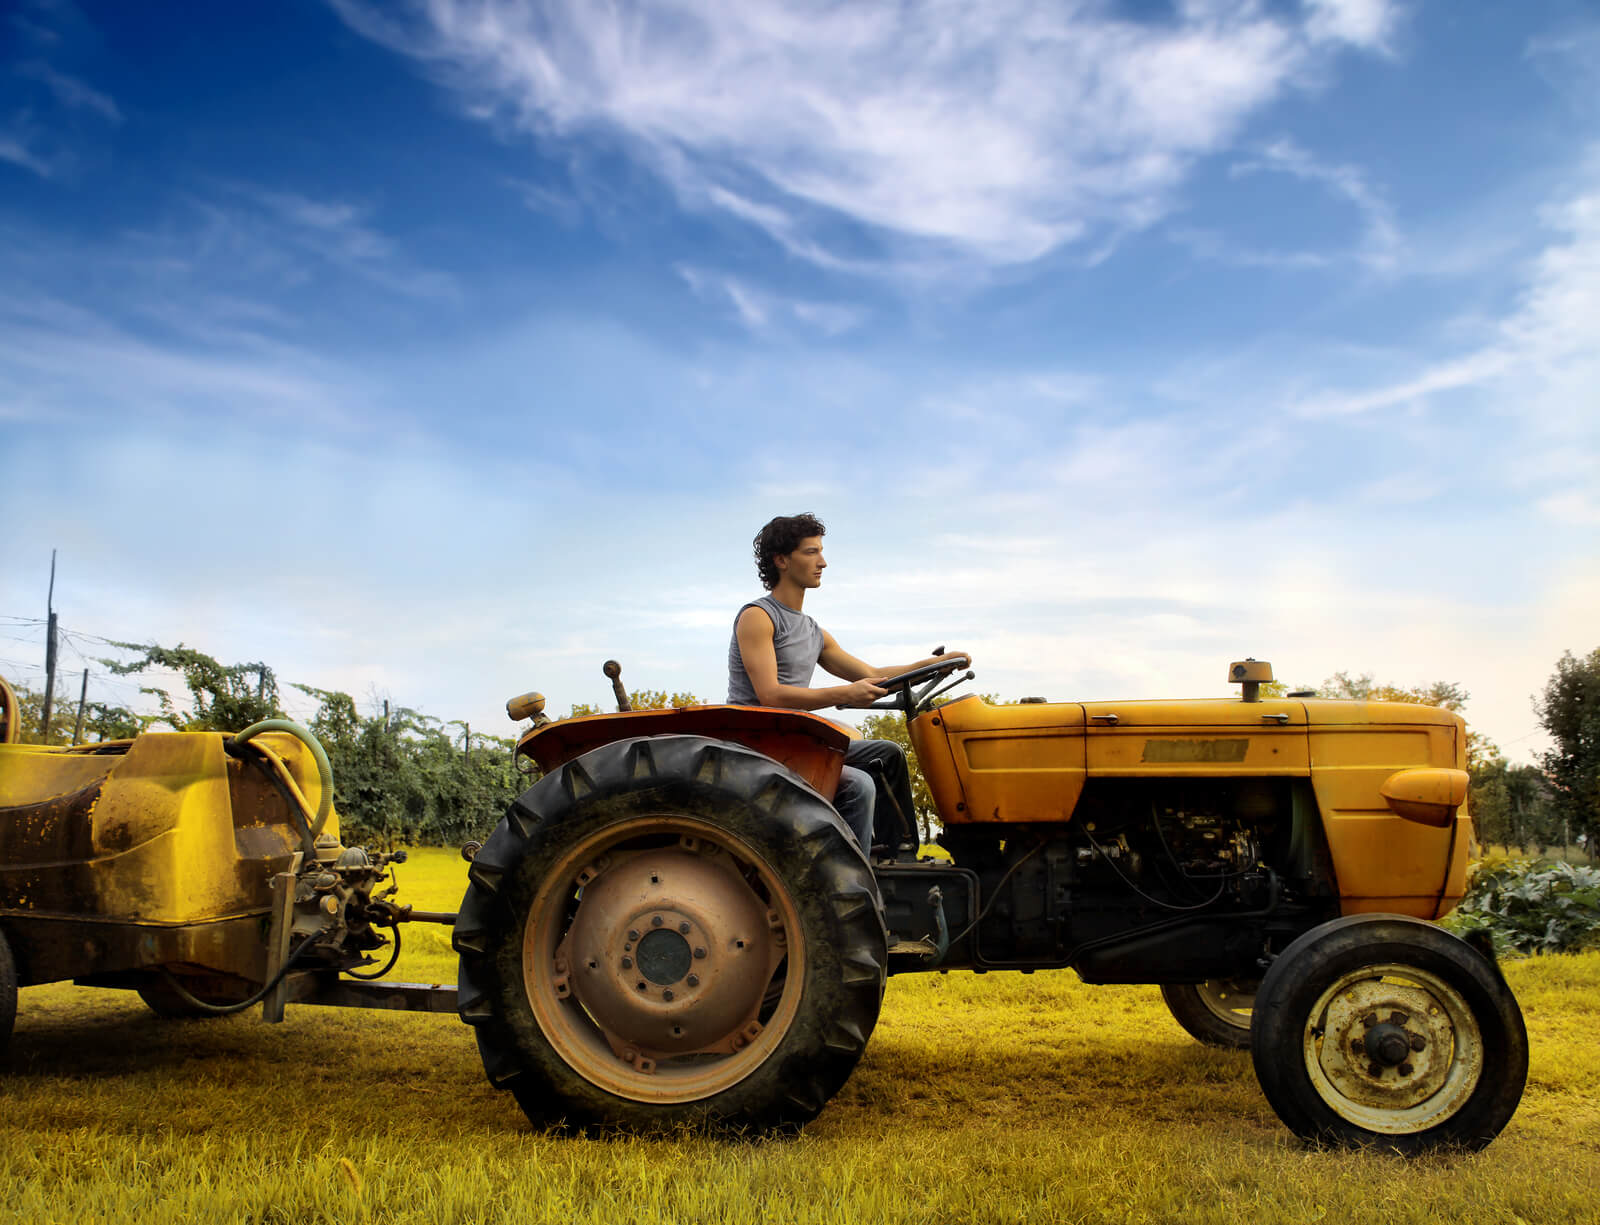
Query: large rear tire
point(671, 931)
point(1384, 1031)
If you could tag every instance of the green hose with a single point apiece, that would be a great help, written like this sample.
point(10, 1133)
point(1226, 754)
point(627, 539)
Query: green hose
point(324, 770)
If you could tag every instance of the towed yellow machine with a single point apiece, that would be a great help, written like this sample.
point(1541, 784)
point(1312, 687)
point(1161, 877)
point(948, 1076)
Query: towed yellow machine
point(672, 926)
point(201, 869)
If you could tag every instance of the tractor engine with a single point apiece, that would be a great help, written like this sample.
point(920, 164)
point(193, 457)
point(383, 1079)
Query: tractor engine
point(1153, 880)
point(337, 914)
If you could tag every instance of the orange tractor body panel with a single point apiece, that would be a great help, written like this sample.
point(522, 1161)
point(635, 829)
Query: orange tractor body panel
point(1028, 764)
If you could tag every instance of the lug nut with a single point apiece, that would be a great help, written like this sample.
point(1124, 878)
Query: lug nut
point(699, 952)
point(1375, 1069)
point(656, 921)
point(693, 980)
point(633, 933)
point(1405, 1069)
point(1418, 1042)
point(684, 928)
point(627, 963)
point(667, 994)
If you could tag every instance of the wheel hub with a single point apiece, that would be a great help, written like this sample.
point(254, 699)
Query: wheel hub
point(1388, 1043)
point(1394, 1050)
point(664, 956)
point(670, 952)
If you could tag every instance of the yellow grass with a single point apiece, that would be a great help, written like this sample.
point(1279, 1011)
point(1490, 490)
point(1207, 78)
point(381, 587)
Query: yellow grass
point(999, 1098)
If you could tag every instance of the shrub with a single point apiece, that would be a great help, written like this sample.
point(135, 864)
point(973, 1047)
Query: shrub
point(1530, 907)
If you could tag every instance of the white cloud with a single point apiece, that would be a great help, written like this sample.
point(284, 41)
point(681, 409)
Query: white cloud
point(1570, 61)
point(1363, 23)
point(266, 223)
point(15, 148)
point(1542, 358)
point(948, 132)
point(1467, 371)
point(1380, 237)
point(70, 92)
point(761, 310)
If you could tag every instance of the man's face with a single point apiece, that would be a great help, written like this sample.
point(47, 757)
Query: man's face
point(805, 564)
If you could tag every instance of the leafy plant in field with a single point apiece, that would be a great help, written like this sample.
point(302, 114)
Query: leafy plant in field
point(1533, 908)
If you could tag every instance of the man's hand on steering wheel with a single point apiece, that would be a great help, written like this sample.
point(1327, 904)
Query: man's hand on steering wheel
point(863, 693)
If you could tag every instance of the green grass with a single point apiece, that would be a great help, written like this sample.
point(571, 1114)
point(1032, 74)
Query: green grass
point(1005, 1097)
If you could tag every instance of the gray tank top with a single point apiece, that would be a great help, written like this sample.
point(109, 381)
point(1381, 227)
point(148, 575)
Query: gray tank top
point(796, 639)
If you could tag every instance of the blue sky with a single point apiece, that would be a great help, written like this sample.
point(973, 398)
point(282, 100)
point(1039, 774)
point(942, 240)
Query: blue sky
point(438, 351)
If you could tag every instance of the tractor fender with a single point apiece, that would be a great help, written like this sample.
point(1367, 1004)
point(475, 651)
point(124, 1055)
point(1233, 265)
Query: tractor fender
point(809, 745)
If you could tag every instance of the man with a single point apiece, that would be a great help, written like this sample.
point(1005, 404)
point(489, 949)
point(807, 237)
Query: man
point(776, 648)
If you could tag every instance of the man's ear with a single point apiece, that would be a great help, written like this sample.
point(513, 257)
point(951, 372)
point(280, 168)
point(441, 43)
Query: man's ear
point(781, 561)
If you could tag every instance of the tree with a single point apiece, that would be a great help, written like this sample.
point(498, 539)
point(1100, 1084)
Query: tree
point(1510, 806)
point(224, 698)
point(100, 720)
point(644, 699)
point(406, 779)
point(1569, 709)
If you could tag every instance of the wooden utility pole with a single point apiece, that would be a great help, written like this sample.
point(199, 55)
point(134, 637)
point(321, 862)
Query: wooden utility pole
point(83, 700)
point(49, 654)
point(466, 741)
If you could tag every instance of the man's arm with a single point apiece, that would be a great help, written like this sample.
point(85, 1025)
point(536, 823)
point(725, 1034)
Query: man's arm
point(839, 662)
point(761, 665)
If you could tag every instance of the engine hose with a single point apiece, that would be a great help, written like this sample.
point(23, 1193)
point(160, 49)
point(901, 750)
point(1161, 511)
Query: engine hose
point(194, 1001)
point(393, 957)
point(324, 770)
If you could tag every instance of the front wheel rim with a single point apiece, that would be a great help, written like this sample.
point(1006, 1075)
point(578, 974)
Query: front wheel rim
point(663, 959)
point(1393, 1049)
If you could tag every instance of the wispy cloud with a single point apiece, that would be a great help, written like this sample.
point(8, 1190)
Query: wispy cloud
point(1467, 371)
point(37, 138)
point(991, 133)
point(1550, 340)
point(1537, 366)
point(70, 92)
point(331, 231)
point(1569, 60)
point(761, 310)
point(16, 148)
point(1378, 247)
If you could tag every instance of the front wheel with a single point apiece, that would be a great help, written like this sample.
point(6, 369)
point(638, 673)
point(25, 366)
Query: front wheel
point(671, 930)
point(1386, 1031)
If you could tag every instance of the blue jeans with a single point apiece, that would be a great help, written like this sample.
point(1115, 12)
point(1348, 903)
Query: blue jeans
point(860, 795)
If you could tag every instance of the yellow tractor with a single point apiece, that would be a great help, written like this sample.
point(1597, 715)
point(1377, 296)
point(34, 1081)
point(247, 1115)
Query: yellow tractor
point(672, 925)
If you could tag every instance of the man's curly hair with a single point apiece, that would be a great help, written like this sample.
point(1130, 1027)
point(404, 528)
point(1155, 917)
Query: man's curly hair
point(782, 535)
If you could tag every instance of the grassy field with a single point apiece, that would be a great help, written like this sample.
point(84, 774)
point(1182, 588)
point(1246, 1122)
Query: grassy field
point(997, 1098)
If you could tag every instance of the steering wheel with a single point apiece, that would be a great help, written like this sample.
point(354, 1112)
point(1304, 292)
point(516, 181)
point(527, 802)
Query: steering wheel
point(903, 692)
